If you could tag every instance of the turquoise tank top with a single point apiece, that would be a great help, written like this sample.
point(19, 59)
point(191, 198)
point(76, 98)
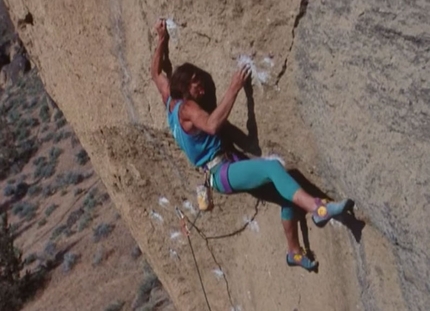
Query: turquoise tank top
point(200, 147)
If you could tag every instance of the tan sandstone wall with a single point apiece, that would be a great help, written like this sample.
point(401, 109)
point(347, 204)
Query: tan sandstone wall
point(94, 58)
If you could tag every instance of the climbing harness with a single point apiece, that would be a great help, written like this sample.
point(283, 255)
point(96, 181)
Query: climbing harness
point(204, 191)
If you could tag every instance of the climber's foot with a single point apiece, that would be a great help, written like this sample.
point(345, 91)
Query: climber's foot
point(327, 210)
point(301, 259)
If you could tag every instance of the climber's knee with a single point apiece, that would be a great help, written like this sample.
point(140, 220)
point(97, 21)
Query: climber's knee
point(287, 213)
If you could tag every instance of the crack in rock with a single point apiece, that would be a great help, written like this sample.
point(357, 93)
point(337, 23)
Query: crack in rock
point(302, 12)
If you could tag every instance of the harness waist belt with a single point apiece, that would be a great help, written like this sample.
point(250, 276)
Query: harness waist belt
point(215, 161)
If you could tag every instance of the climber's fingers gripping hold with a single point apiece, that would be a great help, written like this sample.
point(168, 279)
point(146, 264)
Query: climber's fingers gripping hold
point(240, 76)
point(245, 72)
point(161, 29)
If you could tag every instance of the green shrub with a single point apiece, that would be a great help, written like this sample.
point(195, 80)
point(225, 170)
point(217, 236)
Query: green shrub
point(9, 190)
point(39, 161)
point(84, 221)
point(58, 115)
point(58, 231)
point(26, 150)
point(47, 137)
point(50, 248)
point(149, 281)
point(89, 203)
point(98, 256)
point(13, 116)
point(24, 209)
point(44, 113)
point(74, 141)
point(136, 252)
point(30, 259)
point(33, 103)
point(50, 209)
point(54, 153)
point(77, 191)
point(45, 170)
point(70, 178)
point(22, 133)
point(58, 137)
point(11, 284)
point(115, 306)
point(44, 128)
point(27, 122)
point(42, 222)
point(11, 181)
point(104, 197)
point(21, 189)
point(102, 231)
point(49, 190)
point(60, 123)
point(34, 190)
point(69, 261)
point(82, 157)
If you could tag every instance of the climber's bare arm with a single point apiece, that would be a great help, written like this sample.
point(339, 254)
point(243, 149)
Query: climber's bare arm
point(212, 123)
point(160, 80)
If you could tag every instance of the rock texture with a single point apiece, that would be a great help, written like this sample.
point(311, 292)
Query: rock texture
point(321, 99)
point(362, 69)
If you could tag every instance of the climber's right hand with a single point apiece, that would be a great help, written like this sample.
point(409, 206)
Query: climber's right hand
point(161, 29)
point(240, 77)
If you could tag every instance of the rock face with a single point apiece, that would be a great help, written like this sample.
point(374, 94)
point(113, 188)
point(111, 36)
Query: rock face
point(344, 77)
point(363, 76)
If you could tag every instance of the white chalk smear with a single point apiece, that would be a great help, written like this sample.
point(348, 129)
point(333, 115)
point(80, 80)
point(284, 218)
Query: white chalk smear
point(263, 77)
point(335, 223)
point(253, 224)
point(156, 216)
point(173, 254)
point(175, 235)
point(171, 25)
point(172, 29)
point(236, 308)
point(189, 207)
point(163, 201)
point(275, 157)
point(268, 61)
point(258, 76)
point(218, 273)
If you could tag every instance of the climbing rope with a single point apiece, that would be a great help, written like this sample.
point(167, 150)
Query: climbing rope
point(186, 231)
point(198, 272)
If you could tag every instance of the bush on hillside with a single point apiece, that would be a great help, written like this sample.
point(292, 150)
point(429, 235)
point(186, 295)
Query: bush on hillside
point(47, 137)
point(9, 190)
point(15, 287)
point(102, 231)
point(34, 190)
point(115, 306)
point(82, 157)
point(54, 153)
point(10, 267)
point(77, 191)
point(50, 209)
point(25, 210)
point(60, 123)
point(58, 115)
point(44, 113)
point(49, 190)
point(69, 261)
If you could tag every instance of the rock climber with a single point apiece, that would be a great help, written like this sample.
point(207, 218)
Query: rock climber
point(196, 132)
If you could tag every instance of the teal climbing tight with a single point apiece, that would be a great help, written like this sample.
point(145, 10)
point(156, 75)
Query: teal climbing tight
point(245, 175)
